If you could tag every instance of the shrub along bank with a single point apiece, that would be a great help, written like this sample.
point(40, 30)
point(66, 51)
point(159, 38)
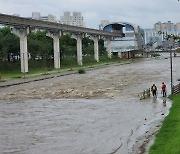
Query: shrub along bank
point(168, 138)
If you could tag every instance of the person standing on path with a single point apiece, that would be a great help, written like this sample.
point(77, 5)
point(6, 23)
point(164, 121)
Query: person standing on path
point(163, 89)
point(154, 90)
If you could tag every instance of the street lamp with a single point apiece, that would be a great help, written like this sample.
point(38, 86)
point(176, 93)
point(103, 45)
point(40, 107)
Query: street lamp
point(171, 70)
point(171, 44)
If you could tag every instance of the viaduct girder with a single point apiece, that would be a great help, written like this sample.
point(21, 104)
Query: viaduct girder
point(32, 23)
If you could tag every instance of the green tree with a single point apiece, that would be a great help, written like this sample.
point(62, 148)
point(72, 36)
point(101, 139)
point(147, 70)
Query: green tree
point(67, 46)
point(88, 47)
point(9, 43)
point(40, 45)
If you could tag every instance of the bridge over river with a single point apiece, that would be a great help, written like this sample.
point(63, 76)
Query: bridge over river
point(23, 26)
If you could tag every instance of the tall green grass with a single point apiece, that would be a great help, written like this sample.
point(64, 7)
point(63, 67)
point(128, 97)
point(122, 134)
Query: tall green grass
point(12, 70)
point(168, 138)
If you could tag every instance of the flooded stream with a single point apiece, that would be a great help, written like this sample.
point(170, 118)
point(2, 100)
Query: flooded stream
point(114, 122)
point(75, 126)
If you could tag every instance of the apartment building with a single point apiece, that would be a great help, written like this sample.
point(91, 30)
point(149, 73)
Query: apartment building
point(152, 35)
point(76, 19)
point(49, 17)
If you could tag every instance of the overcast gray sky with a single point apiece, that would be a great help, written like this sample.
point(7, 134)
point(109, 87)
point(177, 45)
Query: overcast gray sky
point(141, 12)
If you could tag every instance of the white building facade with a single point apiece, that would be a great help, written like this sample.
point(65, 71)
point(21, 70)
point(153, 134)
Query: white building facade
point(103, 24)
point(132, 40)
point(152, 35)
point(49, 17)
point(76, 19)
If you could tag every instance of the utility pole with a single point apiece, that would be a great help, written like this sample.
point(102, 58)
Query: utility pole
point(171, 41)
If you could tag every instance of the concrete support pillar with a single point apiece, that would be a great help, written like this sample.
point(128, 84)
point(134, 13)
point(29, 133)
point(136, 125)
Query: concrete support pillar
point(129, 55)
point(22, 33)
point(123, 55)
point(109, 48)
point(78, 38)
point(55, 36)
point(120, 54)
point(96, 47)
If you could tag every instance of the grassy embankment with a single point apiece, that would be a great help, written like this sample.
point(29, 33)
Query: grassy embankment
point(168, 138)
point(38, 68)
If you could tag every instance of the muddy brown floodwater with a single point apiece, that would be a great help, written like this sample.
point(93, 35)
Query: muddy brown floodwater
point(97, 112)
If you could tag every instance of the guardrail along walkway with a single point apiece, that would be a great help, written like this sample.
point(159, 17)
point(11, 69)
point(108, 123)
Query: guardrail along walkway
point(176, 89)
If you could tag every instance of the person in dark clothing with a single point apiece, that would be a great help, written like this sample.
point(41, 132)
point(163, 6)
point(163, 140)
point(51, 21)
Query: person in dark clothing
point(154, 90)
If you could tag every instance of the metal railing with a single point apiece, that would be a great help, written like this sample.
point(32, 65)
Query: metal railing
point(145, 94)
point(176, 89)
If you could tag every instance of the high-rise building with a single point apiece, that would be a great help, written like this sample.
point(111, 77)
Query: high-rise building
point(158, 26)
point(103, 24)
point(177, 27)
point(76, 19)
point(152, 35)
point(50, 18)
point(37, 16)
point(164, 27)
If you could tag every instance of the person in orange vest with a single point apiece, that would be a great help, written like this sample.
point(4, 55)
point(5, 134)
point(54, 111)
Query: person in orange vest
point(163, 89)
point(154, 90)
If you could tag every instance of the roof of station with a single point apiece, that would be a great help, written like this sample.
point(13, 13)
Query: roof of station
point(118, 26)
